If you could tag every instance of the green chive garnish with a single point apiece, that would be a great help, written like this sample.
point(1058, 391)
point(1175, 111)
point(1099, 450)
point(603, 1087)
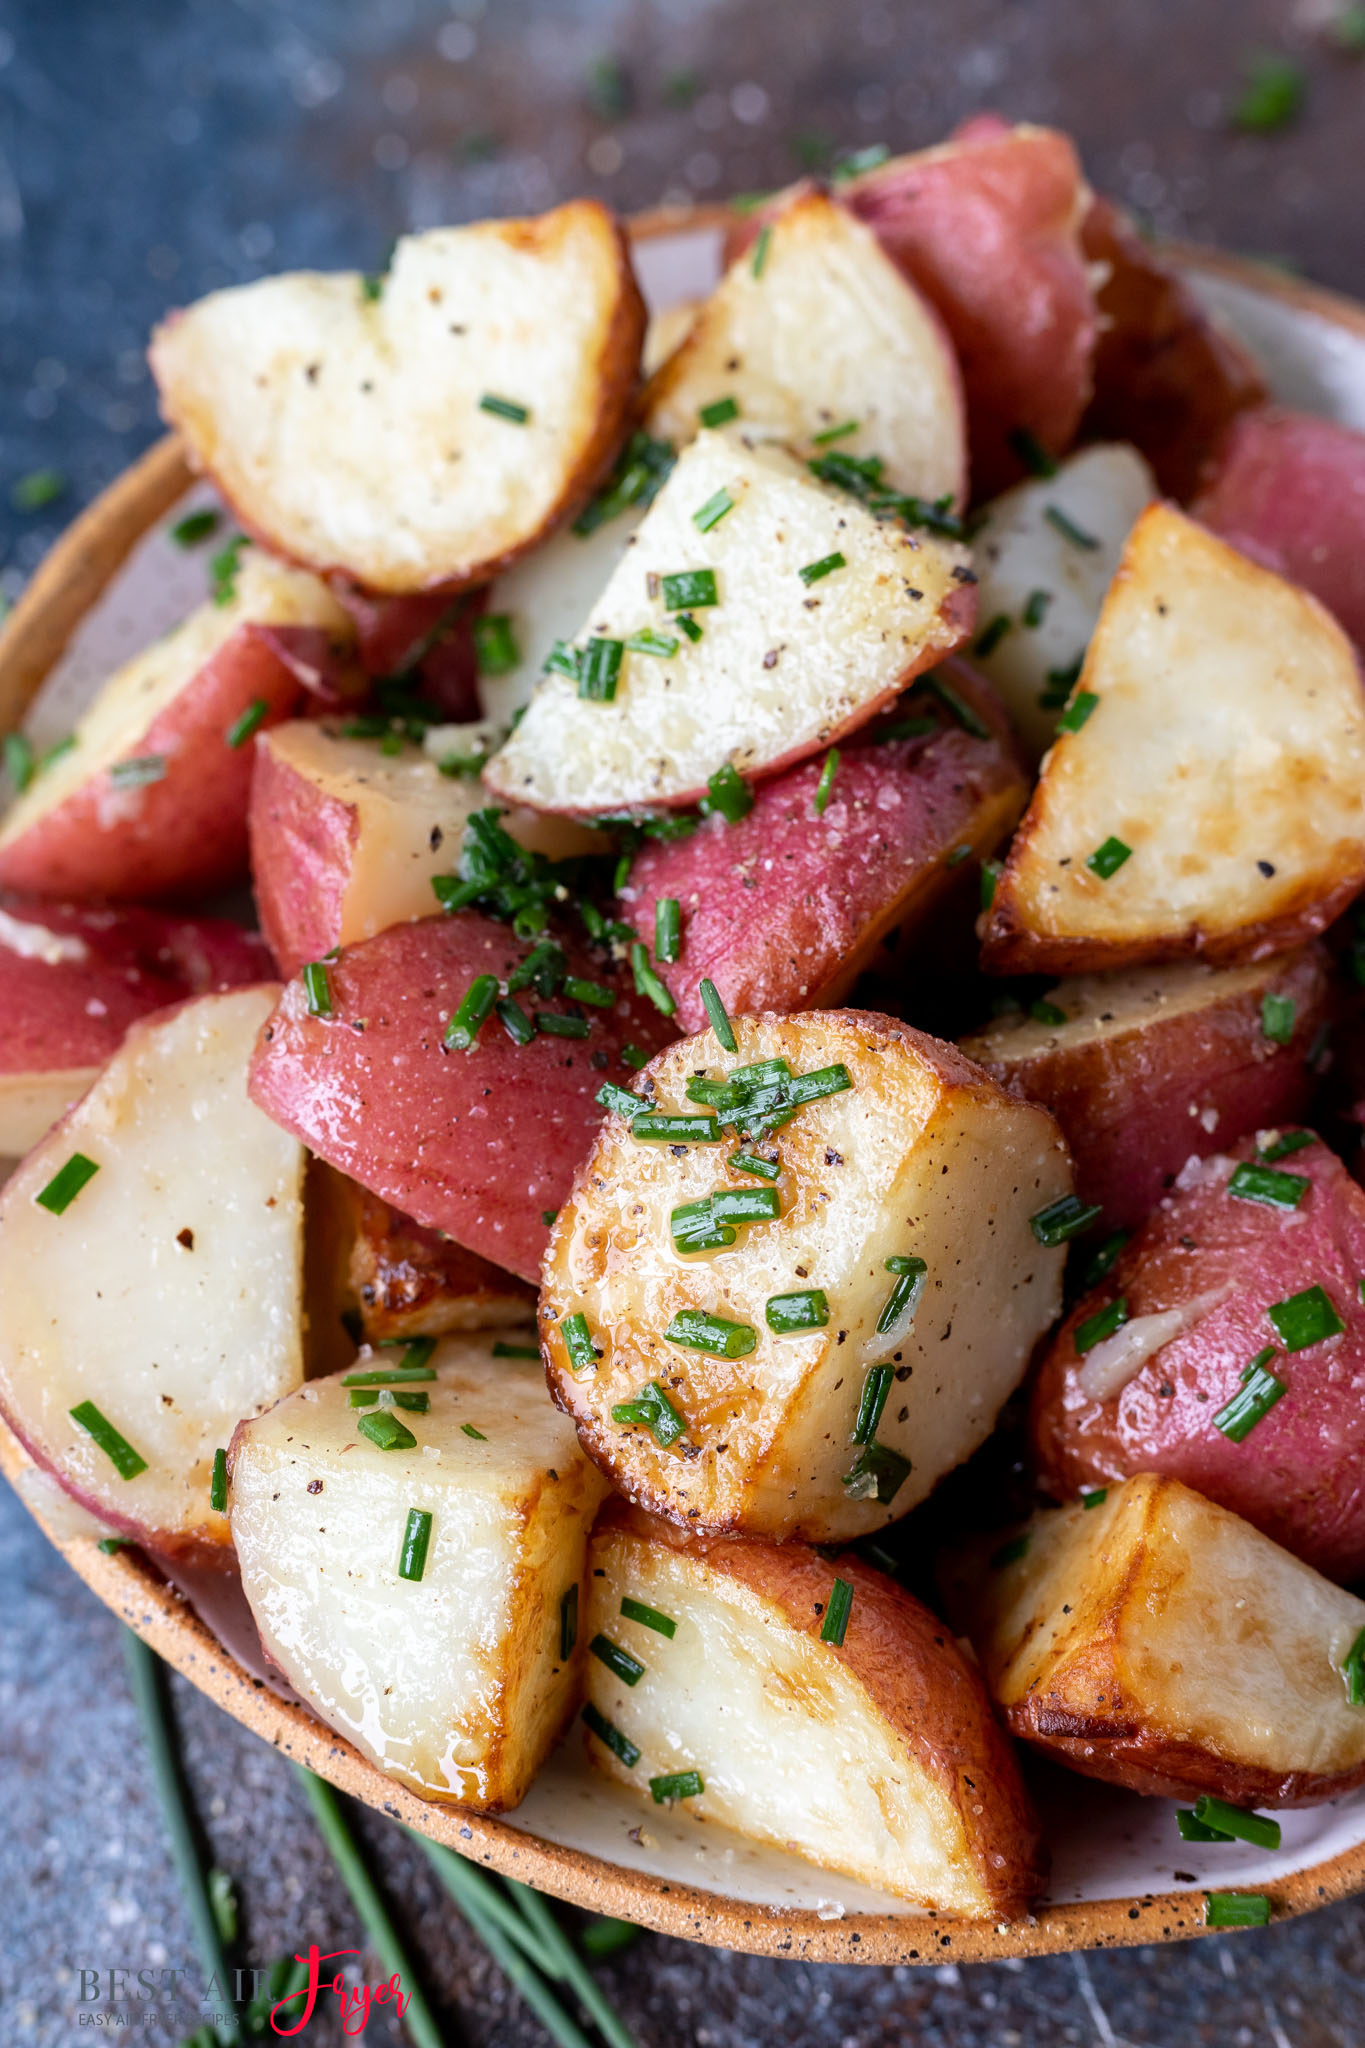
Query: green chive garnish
point(1267, 1184)
point(807, 1308)
point(1043, 1012)
point(652, 1409)
point(879, 1473)
point(19, 762)
point(504, 408)
point(711, 513)
point(905, 1294)
point(1063, 1219)
point(555, 1025)
point(252, 719)
point(728, 794)
point(1035, 610)
point(618, 1661)
point(568, 1624)
point(475, 1007)
point(667, 928)
point(839, 433)
point(956, 705)
point(635, 1056)
point(317, 989)
point(1305, 1319)
point(583, 1353)
point(194, 527)
point(1253, 1401)
point(495, 647)
point(993, 634)
point(1096, 1495)
point(826, 783)
point(689, 589)
point(138, 771)
point(837, 1611)
point(647, 982)
point(502, 1349)
point(1011, 1552)
point(577, 989)
point(599, 670)
point(1280, 1148)
point(715, 1010)
point(647, 641)
point(609, 1096)
point(991, 871)
point(760, 258)
point(387, 1431)
point(412, 1558)
point(1077, 711)
point(125, 1460)
point(109, 1546)
point(218, 1484)
point(1353, 1671)
point(363, 1397)
point(695, 1329)
point(40, 487)
point(649, 1617)
point(64, 1186)
point(1102, 1324)
point(1068, 528)
point(676, 1785)
point(766, 1169)
point(620, 1745)
point(1106, 860)
point(223, 568)
point(1277, 1018)
point(1235, 1824)
point(1236, 1909)
point(1273, 96)
point(686, 622)
point(1102, 1260)
point(514, 1020)
point(814, 572)
point(876, 1387)
point(655, 1127)
point(1032, 454)
point(719, 412)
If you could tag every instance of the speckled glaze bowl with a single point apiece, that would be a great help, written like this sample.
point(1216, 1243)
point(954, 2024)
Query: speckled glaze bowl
point(1120, 1873)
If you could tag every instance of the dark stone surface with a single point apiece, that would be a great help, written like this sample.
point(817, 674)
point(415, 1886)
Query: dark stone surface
point(150, 151)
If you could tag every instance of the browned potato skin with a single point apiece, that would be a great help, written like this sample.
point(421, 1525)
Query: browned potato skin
point(1127, 1103)
point(1083, 1708)
point(409, 1281)
point(917, 1677)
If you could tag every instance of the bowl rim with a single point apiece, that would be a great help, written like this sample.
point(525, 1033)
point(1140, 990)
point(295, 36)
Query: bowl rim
point(73, 575)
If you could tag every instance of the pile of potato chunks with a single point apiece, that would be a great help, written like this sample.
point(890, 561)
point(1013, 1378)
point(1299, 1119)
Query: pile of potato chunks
point(588, 740)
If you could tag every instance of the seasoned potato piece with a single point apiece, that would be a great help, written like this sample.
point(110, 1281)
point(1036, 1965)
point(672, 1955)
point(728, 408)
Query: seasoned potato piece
point(1048, 587)
point(408, 1281)
point(444, 1651)
point(1208, 795)
point(1159, 1642)
point(824, 333)
point(345, 840)
point(1149, 1067)
point(782, 663)
point(873, 1753)
point(771, 1354)
point(151, 1267)
point(427, 431)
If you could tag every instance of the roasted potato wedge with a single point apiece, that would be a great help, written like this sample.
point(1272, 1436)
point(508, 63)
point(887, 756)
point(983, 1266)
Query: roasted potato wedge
point(452, 1669)
point(428, 432)
point(725, 1384)
point(151, 799)
point(783, 663)
point(151, 1266)
point(824, 333)
point(783, 910)
point(874, 1753)
point(1149, 1067)
point(1213, 678)
point(1160, 1642)
point(1039, 592)
point(407, 1281)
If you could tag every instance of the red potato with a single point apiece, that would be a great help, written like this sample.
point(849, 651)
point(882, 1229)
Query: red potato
point(783, 910)
point(476, 1144)
point(428, 636)
point(72, 980)
point(1168, 378)
point(1198, 1281)
point(151, 800)
point(1289, 491)
point(1149, 1068)
point(408, 1281)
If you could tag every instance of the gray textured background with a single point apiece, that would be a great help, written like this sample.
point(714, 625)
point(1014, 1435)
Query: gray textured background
point(150, 151)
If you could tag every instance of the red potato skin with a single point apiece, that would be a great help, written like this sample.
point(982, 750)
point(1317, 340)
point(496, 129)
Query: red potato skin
point(183, 835)
point(1289, 490)
point(329, 674)
point(429, 636)
point(1124, 1105)
point(475, 1144)
point(74, 1013)
point(302, 848)
point(1167, 377)
point(1299, 1476)
point(783, 910)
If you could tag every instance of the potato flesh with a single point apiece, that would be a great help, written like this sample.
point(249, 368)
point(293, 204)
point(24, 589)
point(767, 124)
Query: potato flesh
point(105, 1303)
point(790, 1748)
point(453, 1684)
point(921, 1156)
point(1219, 680)
point(828, 332)
point(547, 596)
point(30, 1104)
point(1017, 551)
point(349, 430)
point(843, 645)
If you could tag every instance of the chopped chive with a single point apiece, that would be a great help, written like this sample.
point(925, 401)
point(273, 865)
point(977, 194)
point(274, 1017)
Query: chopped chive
point(837, 1611)
point(689, 589)
point(502, 1349)
point(1304, 1319)
point(696, 1329)
point(1236, 1909)
point(826, 783)
point(728, 795)
point(564, 660)
point(715, 1010)
point(652, 1409)
point(839, 433)
point(1280, 1148)
point(1106, 860)
point(1032, 454)
point(1068, 528)
point(1253, 1401)
point(1353, 1671)
point(577, 989)
point(769, 1169)
point(469, 1019)
point(138, 771)
point(1191, 1829)
point(649, 1617)
point(655, 1127)
point(64, 1186)
point(676, 1785)
point(1077, 711)
point(412, 1558)
point(363, 1397)
point(876, 1387)
point(317, 989)
point(504, 408)
point(54, 753)
point(568, 1623)
point(907, 729)
point(578, 1342)
point(746, 1205)
point(218, 1483)
point(514, 1020)
point(1272, 97)
point(761, 244)
point(687, 624)
point(1063, 1219)
point(19, 762)
point(109, 1546)
point(125, 1460)
point(194, 527)
point(1043, 1012)
point(956, 856)
point(815, 572)
point(40, 487)
point(719, 412)
point(543, 969)
point(548, 1217)
point(904, 1296)
point(609, 1096)
point(988, 640)
point(695, 1229)
point(647, 982)
point(1011, 1552)
point(416, 1404)
point(878, 1474)
point(647, 641)
point(807, 1308)
point(991, 871)
point(223, 568)
point(713, 511)
point(1237, 1823)
point(1267, 1184)
point(1094, 1497)
point(1102, 1260)
point(495, 647)
point(1277, 1018)
point(957, 706)
point(1102, 1324)
point(385, 1430)
point(620, 1745)
point(618, 1661)
point(252, 719)
point(1060, 683)
point(1035, 609)
point(667, 929)
point(599, 670)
